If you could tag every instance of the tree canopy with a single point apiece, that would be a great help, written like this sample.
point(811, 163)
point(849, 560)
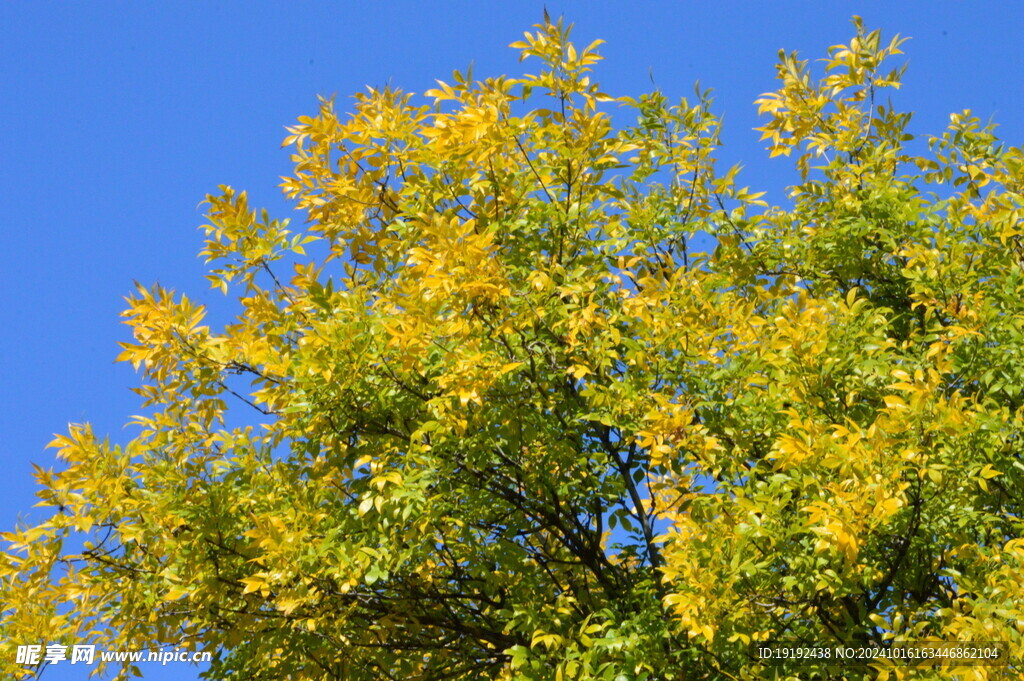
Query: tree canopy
point(505, 420)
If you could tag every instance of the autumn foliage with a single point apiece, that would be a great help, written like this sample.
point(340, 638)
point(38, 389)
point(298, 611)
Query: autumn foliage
point(504, 420)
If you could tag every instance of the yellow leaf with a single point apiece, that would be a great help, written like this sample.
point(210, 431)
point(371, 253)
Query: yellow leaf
point(894, 402)
point(254, 583)
point(988, 472)
point(578, 371)
point(365, 506)
point(176, 592)
point(511, 366)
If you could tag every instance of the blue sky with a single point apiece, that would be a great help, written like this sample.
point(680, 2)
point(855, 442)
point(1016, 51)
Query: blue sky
point(118, 118)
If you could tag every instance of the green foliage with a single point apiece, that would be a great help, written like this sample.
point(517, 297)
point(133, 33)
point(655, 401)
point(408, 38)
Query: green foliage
point(511, 425)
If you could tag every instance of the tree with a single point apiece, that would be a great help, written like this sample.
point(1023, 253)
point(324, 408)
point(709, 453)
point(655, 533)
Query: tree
point(505, 421)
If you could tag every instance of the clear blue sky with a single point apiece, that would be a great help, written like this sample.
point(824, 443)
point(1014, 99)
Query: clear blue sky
point(117, 118)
